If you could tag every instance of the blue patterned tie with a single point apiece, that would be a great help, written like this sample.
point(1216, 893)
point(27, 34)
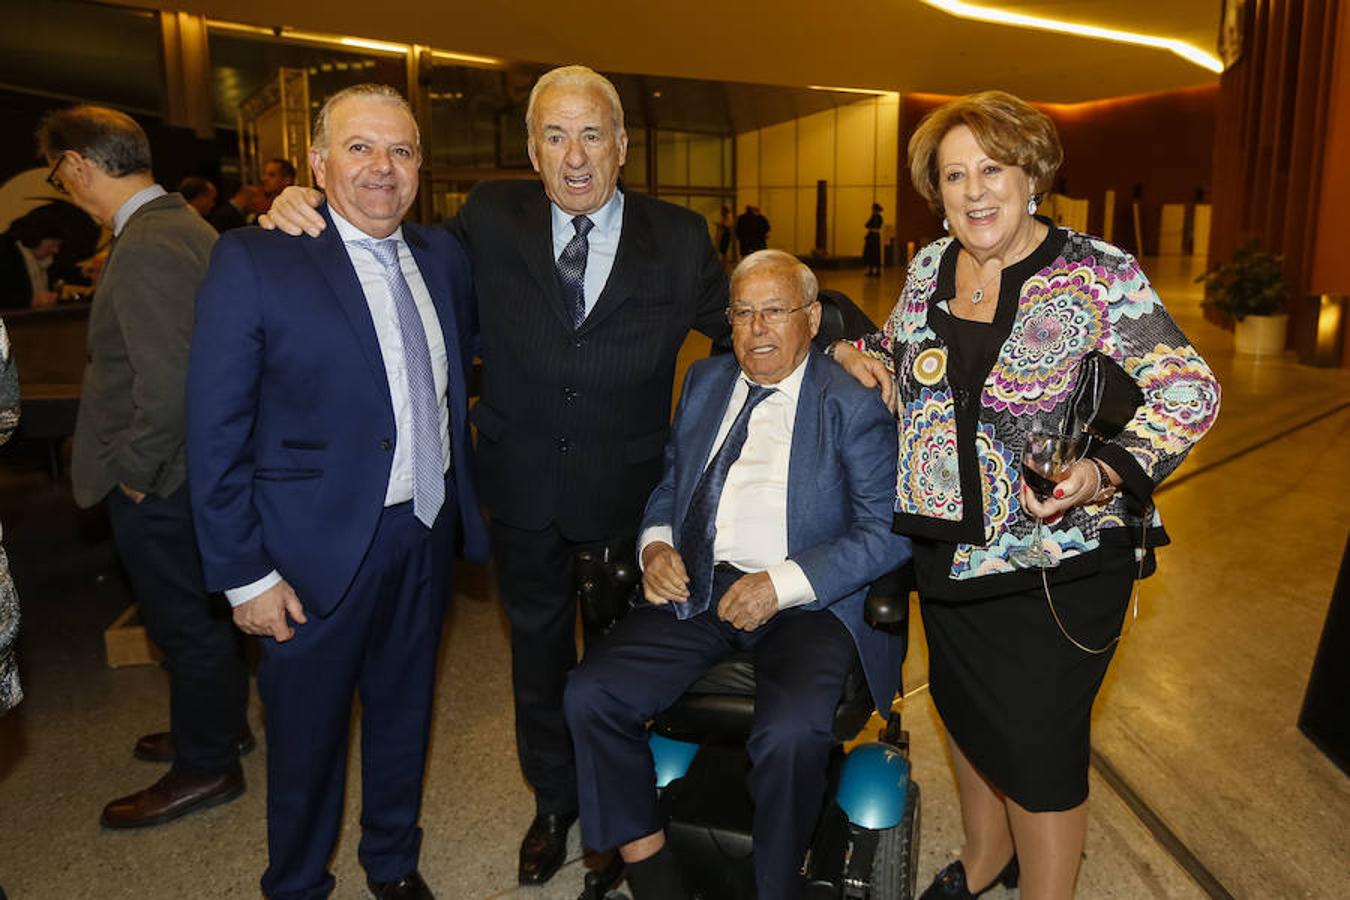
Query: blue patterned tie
point(699, 532)
point(428, 453)
point(571, 267)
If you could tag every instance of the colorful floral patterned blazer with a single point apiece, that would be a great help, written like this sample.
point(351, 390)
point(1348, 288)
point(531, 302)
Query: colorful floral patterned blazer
point(958, 481)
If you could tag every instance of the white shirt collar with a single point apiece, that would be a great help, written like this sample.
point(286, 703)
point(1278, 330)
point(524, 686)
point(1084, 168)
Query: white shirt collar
point(133, 203)
point(605, 219)
point(350, 234)
point(791, 386)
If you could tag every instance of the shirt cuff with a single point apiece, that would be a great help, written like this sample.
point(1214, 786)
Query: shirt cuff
point(240, 595)
point(652, 535)
point(791, 585)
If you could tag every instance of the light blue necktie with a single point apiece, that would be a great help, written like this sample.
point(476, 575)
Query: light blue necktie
point(428, 453)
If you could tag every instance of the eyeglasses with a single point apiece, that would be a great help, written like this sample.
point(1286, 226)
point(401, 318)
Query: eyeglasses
point(53, 180)
point(742, 316)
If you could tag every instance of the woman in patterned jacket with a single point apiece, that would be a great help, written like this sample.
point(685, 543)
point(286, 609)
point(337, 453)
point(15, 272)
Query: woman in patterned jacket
point(984, 341)
point(10, 694)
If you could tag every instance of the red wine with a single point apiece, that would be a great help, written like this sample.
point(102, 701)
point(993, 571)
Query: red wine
point(1041, 486)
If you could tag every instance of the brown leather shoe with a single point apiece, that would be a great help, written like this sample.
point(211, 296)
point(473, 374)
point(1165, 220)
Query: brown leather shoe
point(176, 794)
point(158, 747)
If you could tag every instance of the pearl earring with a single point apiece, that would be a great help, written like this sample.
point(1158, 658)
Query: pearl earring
point(946, 226)
point(1031, 206)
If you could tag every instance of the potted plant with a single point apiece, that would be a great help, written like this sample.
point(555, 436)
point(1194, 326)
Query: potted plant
point(1248, 295)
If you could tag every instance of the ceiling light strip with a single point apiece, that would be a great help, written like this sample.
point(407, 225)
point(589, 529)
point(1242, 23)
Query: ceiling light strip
point(1186, 51)
point(849, 90)
point(355, 43)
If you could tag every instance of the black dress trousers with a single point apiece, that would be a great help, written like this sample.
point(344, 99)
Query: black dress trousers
point(208, 684)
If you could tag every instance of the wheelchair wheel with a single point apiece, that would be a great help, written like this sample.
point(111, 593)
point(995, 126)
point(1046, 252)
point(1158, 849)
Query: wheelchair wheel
point(896, 862)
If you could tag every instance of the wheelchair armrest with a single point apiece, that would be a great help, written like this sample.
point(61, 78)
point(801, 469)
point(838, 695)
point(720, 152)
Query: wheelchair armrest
point(604, 583)
point(887, 604)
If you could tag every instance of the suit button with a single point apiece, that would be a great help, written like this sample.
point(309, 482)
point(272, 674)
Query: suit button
point(564, 445)
point(577, 343)
point(386, 444)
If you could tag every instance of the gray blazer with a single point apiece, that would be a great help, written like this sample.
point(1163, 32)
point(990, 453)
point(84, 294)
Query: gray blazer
point(131, 424)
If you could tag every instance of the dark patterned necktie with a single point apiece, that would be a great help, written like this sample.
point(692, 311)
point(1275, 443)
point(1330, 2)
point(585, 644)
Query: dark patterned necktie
point(428, 453)
point(699, 532)
point(571, 266)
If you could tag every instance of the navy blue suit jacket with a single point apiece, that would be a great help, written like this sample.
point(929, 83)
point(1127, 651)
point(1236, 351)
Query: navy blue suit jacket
point(841, 489)
point(290, 425)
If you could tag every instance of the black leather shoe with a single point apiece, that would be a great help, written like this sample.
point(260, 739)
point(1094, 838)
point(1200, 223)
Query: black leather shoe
point(176, 794)
point(409, 887)
point(545, 847)
point(158, 747)
point(950, 883)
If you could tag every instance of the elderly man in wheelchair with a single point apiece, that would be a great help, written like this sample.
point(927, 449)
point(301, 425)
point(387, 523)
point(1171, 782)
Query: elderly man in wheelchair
point(772, 518)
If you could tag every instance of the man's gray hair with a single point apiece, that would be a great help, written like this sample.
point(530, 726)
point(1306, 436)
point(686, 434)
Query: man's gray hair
point(319, 137)
point(109, 139)
point(575, 77)
point(777, 259)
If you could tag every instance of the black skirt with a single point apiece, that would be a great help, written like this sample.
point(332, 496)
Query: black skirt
point(1012, 691)
point(872, 249)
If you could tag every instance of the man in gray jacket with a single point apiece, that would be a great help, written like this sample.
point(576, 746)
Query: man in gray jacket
point(129, 443)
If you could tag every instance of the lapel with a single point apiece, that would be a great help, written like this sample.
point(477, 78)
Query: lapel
point(806, 447)
point(712, 407)
point(330, 256)
point(635, 247)
point(535, 224)
point(437, 280)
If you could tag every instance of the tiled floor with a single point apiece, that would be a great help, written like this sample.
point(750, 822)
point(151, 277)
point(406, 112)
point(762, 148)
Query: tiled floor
point(1198, 716)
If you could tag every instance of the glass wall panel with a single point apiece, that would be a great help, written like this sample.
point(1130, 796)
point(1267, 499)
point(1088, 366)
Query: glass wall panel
point(852, 207)
point(815, 148)
point(705, 160)
point(242, 63)
point(84, 51)
point(672, 159)
point(779, 206)
point(635, 170)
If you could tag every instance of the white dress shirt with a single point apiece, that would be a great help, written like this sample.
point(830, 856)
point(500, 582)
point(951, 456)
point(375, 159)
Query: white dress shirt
point(37, 271)
point(370, 272)
point(752, 514)
point(602, 243)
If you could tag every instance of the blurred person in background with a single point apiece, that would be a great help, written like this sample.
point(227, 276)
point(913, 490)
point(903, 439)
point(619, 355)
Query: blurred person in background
point(240, 210)
point(872, 243)
point(277, 175)
point(27, 250)
point(199, 193)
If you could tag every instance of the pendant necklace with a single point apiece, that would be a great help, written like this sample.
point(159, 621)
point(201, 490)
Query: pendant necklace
point(977, 295)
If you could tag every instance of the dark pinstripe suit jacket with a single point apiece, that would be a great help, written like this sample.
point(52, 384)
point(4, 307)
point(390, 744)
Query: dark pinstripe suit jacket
point(572, 424)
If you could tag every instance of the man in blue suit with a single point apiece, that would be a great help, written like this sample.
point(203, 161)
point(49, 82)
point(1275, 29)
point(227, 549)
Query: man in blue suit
point(328, 455)
point(771, 519)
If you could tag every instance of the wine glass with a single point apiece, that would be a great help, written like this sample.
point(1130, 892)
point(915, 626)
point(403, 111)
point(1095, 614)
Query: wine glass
point(1047, 457)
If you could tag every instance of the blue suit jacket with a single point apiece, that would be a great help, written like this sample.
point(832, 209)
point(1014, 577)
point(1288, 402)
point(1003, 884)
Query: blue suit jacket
point(841, 489)
point(290, 425)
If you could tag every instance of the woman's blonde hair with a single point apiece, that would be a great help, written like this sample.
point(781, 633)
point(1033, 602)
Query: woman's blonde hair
point(1006, 127)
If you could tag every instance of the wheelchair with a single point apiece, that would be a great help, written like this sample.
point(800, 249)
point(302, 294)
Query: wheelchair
point(865, 844)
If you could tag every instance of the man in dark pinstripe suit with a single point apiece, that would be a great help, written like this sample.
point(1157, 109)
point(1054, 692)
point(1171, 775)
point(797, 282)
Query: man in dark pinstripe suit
point(585, 294)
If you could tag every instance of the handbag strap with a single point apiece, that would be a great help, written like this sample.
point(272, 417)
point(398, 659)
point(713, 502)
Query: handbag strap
point(1125, 628)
